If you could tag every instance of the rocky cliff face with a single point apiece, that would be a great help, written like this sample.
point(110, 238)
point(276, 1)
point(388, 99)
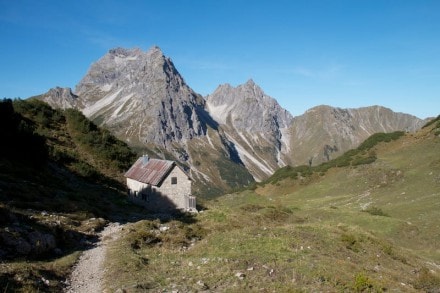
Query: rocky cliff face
point(255, 123)
point(323, 133)
point(142, 98)
point(61, 98)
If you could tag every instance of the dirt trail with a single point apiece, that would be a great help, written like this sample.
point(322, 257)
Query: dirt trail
point(87, 275)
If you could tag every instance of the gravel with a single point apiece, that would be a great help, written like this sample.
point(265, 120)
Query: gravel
point(88, 274)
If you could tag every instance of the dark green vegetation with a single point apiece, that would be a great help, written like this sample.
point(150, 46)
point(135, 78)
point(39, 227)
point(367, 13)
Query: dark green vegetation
point(343, 226)
point(435, 123)
point(60, 182)
point(364, 154)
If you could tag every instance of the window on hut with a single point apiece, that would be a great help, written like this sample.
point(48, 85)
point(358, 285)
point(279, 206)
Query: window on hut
point(173, 180)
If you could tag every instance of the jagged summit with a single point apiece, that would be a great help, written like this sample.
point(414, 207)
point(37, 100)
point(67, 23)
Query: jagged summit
point(256, 124)
point(125, 52)
point(59, 97)
point(245, 105)
point(140, 96)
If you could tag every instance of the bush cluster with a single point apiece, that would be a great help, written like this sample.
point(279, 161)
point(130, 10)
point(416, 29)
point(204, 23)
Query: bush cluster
point(375, 211)
point(100, 142)
point(362, 155)
point(431, 122)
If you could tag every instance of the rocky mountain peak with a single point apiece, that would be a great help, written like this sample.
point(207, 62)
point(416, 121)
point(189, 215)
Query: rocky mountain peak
point(250, 83)
point(139, 95)
point(123, 53)
point(156, 52)
point(255, 123)
point(244, 106)
point(59, 97)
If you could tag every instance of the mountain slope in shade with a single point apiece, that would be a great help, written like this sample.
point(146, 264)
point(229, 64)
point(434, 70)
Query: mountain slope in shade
point(255, 123)
point(323, 132)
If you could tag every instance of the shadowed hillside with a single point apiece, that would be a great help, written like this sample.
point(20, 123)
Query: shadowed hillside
point(60, 182)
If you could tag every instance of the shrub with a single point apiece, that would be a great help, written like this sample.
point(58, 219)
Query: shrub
point(277, 214)
point(85, 170)
point(100, 142)
point(375, 211)
point(251, 208)
point(359, 156)
point(389, 250)
point(430, 122)
point(427, 281)
point(363, 160)
point(363, 284)
point(143, 238)
point(350, 241)
point(380, 137)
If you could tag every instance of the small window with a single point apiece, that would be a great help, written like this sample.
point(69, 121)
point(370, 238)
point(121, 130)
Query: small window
point(173, 180)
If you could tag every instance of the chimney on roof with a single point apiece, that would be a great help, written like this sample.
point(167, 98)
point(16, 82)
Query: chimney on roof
point(145, 160)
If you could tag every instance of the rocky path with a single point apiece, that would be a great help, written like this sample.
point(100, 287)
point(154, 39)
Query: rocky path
point(88, 273)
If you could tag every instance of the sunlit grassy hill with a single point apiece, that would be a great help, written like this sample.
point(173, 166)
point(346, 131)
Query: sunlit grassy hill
point(369, 222)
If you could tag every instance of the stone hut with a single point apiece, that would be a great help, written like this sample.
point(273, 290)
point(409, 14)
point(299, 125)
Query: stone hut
point(159, 185)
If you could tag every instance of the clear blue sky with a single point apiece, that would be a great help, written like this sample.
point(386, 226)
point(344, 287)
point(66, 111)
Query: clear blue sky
point(345, 53)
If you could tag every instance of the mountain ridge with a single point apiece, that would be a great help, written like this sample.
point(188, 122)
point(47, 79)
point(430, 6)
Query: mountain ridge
point(142, 98)
point(342, 129)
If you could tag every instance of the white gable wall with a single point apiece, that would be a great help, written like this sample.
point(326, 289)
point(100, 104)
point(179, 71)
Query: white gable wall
point(178, 192)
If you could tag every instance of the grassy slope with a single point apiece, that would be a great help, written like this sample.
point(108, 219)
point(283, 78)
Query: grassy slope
point(70, 193)
point(355, 228)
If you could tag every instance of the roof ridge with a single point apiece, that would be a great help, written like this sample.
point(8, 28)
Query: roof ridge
point(153, 172)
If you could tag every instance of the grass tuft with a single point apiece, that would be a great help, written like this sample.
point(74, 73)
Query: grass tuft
point(427, 281)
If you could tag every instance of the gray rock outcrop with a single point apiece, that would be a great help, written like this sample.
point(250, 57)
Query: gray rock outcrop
point(61, 98)
point(255, 123)
point(142, 98)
